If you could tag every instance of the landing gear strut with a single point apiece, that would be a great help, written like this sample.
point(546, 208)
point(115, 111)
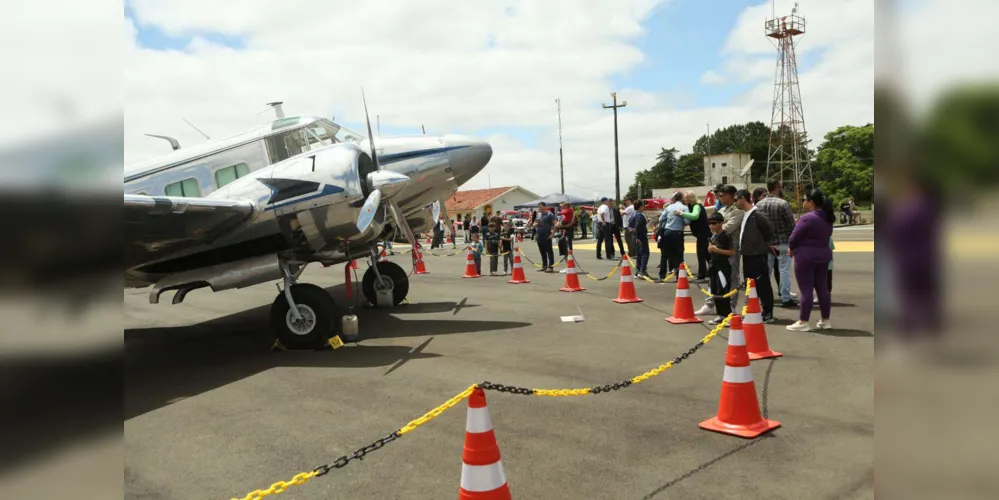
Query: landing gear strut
point(303, 316)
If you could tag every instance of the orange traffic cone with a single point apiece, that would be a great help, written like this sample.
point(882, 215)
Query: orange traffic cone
point(756, 332)
point(571, 278)
point(518, 269)
point(738, 408)
point(383, 257)
point(353, 264)
point(683, 305)
point(470, 271)
point(482, 476)
point(626, 291)
point(421, 268)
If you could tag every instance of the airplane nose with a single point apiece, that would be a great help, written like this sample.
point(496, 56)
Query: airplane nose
point(467, 156)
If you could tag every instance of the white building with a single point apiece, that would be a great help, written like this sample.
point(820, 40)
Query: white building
point(727, 169)
point(476, 202)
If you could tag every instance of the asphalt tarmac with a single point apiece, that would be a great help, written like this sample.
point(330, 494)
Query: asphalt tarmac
point(210, 412)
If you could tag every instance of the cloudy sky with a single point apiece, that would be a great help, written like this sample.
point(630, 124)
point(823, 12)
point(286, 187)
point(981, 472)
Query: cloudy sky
point(493, 69)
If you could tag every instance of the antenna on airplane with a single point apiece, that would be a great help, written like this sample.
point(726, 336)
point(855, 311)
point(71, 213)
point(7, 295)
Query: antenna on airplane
point(277, 108)
point(173, 142)
point(424, 129)
point(196, 128)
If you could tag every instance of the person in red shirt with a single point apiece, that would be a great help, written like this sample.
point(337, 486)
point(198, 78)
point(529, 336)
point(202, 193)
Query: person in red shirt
point(566, 226)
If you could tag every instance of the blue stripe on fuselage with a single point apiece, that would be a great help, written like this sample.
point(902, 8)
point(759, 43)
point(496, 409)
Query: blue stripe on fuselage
point(327, 190)
point(409, 155)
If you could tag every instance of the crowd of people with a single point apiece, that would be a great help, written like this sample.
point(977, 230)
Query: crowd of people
point(757, 234)
point(749, 235)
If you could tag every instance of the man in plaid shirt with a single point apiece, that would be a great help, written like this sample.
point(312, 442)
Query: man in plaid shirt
point(778, 211)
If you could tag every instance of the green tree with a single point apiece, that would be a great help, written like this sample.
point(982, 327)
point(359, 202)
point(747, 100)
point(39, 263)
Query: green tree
point(752, 138)
point(958, 145)
point(844, 164)
point(661, 175)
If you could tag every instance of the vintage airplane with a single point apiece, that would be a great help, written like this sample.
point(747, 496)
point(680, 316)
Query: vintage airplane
point(261, 205)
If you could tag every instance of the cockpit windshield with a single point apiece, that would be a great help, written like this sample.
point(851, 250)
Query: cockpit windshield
point(313, 136)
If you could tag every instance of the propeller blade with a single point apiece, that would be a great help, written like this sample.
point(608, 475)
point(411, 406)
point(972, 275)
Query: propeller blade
point(371, 137)
point(435, 209)
point(368, 211)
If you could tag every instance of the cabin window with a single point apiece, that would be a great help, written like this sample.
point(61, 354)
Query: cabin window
point(186, 187)
point(724, 164)
point(226, 175)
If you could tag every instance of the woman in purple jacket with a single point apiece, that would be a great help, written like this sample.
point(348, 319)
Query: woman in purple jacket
point(809, 246)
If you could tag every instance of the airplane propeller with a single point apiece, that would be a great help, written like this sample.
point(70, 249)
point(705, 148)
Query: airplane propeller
point(383, 184)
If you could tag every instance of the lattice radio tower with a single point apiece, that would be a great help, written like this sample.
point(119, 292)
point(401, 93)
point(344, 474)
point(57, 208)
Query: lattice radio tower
point(787, 159)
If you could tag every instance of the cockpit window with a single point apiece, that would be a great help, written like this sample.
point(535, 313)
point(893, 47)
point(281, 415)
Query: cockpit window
point(316, 135)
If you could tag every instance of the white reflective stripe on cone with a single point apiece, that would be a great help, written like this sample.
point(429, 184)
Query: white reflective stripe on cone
point(516, 265)
point(738, 374)
point(626, 278)
point(753, 319)
point(570, 270)
point(736, 337)
point(682, 273)
point(683, 292)
point(752, 292)
point(482, 477)
point(478, 421)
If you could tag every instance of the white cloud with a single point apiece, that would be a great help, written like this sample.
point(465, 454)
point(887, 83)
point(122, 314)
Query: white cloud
point(712, 77)
point(468, 66)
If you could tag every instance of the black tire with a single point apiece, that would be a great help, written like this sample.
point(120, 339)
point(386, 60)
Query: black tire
point(392, 271)
point(318, 304)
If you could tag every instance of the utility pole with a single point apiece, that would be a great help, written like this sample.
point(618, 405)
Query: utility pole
point(617, 163)
point(639, 190)
point(561, 165)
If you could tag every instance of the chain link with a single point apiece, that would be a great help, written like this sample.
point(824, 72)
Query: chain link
point(322, 470)
point(612, 273)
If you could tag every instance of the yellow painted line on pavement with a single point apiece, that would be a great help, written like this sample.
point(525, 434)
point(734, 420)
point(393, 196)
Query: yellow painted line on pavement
point(689, 248)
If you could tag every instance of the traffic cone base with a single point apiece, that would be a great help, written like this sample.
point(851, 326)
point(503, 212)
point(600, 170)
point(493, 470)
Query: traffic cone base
point(756, 332)
point(626, 291)
point(683, 305)
point(748, 432)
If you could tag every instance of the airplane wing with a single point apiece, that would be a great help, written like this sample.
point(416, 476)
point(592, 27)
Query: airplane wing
point(157, 226)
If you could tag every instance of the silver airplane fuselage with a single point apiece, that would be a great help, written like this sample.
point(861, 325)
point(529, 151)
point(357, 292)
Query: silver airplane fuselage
point(302, 190)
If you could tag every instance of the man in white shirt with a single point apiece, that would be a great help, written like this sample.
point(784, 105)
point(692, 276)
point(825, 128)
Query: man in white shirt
point(605, 229)
point(629, 237)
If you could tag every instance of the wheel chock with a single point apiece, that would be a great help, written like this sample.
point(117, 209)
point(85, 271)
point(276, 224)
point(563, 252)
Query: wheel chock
point(335, 342)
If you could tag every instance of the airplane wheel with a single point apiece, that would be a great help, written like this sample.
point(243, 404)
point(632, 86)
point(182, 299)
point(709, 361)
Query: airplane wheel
point(318, 313)
point(393, 277)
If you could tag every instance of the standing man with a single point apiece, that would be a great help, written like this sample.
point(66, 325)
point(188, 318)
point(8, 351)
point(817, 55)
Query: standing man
point(543, 224)
point(754, 244)
point(629, 236)
point(638, 227)
point(605, 228)
point(584, 221)
point(778, 211)
point(618, 224)
point(671, 235)
point(567, 225)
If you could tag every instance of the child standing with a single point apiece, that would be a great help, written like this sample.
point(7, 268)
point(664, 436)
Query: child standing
point(476, 247)
point(492, 248)
point(720, 269)
point(506, 237)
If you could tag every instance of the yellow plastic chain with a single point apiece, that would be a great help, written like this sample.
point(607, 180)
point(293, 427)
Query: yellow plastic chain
point(662, 368)
point(436, 412)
